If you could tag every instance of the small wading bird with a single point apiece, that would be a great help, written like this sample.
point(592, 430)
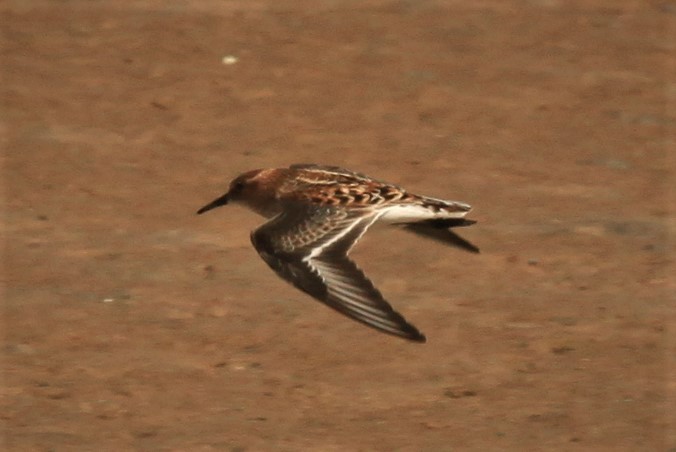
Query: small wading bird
point(317, 213)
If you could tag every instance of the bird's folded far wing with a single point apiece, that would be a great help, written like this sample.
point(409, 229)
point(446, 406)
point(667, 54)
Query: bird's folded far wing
point(439, 230)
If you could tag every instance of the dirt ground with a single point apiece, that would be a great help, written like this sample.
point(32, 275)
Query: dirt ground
point(130, 323)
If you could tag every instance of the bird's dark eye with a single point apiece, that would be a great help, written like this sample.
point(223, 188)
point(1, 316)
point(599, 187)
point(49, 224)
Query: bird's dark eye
point(239, 186)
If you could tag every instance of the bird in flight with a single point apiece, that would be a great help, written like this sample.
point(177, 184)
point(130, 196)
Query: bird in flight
point(317, 213)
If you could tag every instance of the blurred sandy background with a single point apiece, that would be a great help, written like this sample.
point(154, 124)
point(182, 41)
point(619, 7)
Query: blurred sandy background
point(132, 324)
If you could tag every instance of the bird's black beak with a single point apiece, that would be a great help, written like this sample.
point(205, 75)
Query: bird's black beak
point(223, 200)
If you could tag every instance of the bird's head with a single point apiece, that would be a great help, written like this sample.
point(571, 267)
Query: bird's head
point(248, 188)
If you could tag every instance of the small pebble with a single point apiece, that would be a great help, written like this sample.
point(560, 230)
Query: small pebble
point(229, 60)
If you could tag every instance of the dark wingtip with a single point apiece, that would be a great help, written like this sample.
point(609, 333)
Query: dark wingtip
point(440, 232)
point(445, 223)
point(419, 338)
point(466, 245)
point(411, 333)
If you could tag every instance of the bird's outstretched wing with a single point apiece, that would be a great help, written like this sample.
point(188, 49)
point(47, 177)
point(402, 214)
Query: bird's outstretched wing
point(308, 246)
